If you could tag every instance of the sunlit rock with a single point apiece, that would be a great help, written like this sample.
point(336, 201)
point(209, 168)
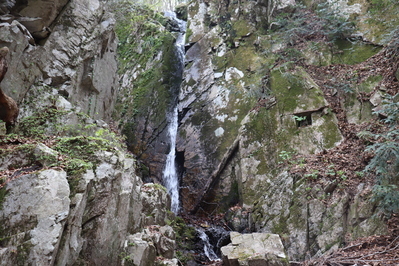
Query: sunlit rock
point(254, 249)
point(34, 214)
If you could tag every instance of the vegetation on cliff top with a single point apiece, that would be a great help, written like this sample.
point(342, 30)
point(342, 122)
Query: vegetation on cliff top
point(76, 137)
point(147, 65)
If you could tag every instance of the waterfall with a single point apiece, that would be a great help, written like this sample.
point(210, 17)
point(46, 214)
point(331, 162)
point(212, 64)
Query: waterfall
point(161, 5)
point(208, 250)
point(170, 175)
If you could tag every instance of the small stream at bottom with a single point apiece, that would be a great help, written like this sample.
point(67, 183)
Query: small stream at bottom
point(208, 248)
point(209, 242)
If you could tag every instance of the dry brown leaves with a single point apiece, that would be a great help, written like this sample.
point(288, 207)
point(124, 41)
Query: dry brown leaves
point(372, 250)
point(350, 155)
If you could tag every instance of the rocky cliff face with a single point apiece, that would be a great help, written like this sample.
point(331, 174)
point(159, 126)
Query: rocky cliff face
point(252, 102)
point(267, 89)
point(76, 57)
point(150, 75)
point(70, 193)
point(248, 105)
point(56, 217)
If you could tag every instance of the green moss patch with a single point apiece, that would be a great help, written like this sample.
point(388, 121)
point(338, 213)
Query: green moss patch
point(141, 33)
point(37, 125)
point(351, 53)
point(380, 21)
point(147, 56)
point(185, 238)
point(295, 90)
point(242, 28)
point(77, 143)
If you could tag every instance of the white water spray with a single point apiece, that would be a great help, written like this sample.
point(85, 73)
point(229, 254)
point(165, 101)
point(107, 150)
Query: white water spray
point(208, 251)
point(170, 176)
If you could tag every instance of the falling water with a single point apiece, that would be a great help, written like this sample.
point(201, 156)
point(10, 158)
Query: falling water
point(208, 251)
point(170, 177)
point(161, 5)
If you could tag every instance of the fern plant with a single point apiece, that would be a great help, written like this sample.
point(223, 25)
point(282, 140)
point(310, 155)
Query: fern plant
point(385, 163)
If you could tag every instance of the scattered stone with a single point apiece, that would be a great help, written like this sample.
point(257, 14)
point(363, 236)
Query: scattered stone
point(143, 247)
point(140, 252)
point(167, 262)
point(376, 98)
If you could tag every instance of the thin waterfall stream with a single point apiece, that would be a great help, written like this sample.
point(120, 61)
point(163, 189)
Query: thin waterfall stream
point(170, 175)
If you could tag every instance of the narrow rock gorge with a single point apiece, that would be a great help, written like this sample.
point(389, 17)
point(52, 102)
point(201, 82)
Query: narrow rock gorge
point(283, 143)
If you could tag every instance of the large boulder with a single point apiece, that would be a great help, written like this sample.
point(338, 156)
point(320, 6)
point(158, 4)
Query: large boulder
point(254, 249)
point(105, 208)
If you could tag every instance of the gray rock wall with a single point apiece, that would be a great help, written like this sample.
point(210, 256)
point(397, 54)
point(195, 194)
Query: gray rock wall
point(57, 217)
point(77, 58)
point(50, 218)
point(236, 110)
point(239, 108)
point(33, 216)
point(237, 119)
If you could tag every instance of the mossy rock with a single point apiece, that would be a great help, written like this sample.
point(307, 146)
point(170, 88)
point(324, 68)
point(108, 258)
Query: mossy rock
point(379, 21)
point(242, 28)
point(317, 54)
point(357, 111)
point(151, 91)
point(295, 90)
point(3, 193)
point(193, 8)
point(351, 53)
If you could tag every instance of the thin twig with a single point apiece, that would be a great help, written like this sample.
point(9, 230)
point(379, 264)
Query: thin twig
point(345, 248)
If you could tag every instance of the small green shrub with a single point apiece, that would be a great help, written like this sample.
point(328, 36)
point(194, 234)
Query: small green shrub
point(285, 155)
point(385, 163)
point(300, 118)
point(304, 25)
point(37, 125)
point(75, 166)
point(313, 175)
